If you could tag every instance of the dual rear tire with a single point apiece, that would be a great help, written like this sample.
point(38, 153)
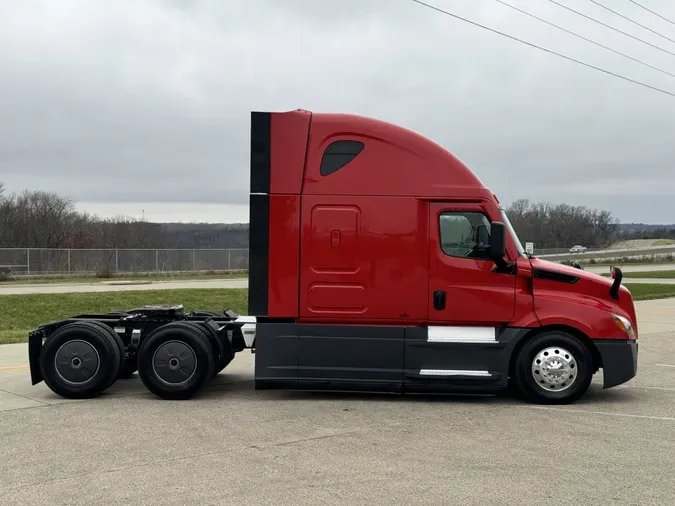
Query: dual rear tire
point(82, 359)
point(177, 360)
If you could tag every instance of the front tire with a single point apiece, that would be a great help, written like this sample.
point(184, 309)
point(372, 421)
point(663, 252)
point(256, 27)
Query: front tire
point(554, 368)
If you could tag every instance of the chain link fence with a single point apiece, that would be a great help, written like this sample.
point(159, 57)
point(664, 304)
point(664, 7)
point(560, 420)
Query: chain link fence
point(35, 262)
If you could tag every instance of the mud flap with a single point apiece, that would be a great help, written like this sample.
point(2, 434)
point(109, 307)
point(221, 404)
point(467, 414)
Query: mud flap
point(34, 350)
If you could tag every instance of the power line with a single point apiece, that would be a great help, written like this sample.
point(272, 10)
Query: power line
point(631, 20)
point(612, 28)
point(655, 13)
point(542, 48)
point(584, 38)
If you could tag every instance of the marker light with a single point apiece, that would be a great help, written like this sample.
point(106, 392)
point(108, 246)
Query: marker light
point(623, 324)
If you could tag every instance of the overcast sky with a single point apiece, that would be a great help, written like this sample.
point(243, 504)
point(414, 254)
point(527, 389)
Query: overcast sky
point(132, 105)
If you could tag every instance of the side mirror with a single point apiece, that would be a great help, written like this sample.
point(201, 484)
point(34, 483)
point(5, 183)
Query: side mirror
point(497, 241)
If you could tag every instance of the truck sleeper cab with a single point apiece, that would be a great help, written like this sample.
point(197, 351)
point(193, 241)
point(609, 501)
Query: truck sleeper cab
point(378, 262)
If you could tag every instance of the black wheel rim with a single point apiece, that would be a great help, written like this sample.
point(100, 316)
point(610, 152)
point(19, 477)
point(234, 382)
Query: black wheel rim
point(174, 362)
point(76, 362)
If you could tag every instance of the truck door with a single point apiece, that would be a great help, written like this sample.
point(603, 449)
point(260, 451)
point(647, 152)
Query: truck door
point(464, 288)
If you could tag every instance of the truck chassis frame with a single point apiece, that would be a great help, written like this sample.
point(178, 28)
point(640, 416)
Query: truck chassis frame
point(82, 356)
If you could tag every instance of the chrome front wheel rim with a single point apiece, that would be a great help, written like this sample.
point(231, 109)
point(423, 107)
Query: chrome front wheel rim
point(554, 369)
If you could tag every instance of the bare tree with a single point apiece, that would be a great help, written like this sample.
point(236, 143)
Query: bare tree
point(562, 225)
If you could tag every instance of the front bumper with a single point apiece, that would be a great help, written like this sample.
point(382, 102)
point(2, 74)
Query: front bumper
point(619, 360)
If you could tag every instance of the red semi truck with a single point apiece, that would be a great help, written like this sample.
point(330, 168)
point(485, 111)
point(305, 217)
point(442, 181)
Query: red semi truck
point(378, 262)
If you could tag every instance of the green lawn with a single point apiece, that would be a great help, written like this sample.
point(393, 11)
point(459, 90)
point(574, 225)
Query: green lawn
point(173, 276)
point(648, 291)
point(646, 274)
point(20, 314)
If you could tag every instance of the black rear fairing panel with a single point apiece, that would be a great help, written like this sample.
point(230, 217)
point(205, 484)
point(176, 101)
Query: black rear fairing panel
point(259, 213)
point(261, 151)
point(258, 258)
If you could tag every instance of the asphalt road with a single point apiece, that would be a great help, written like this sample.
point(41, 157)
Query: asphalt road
point(630, 267)
point(234, 445)
point(614, 253)
point(12, 289)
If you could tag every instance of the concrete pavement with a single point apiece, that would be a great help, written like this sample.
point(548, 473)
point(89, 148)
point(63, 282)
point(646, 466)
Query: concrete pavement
point(234, 445)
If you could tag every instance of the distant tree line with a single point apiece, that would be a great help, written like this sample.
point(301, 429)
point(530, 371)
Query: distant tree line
point(38, 219)
point(651, 232)
point(562, 225)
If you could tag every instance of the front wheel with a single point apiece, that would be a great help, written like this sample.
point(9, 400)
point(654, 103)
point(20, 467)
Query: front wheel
point(554, 368)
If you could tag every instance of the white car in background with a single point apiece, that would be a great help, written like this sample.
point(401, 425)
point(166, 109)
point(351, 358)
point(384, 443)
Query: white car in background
point(578, 249)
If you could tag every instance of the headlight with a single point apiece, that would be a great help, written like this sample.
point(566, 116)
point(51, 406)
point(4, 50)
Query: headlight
point(623, 324)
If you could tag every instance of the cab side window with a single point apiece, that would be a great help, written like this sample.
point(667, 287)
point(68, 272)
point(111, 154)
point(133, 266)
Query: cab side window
point(465, 234)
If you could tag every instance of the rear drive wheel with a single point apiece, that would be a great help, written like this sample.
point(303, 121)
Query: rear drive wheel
point(125, 364)
point(226, 355)
point(80, 360)
point(175, 361)
point(554, 368)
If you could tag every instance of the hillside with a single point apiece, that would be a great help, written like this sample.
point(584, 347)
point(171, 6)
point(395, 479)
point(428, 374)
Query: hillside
point(642, 227)
point(206, 235)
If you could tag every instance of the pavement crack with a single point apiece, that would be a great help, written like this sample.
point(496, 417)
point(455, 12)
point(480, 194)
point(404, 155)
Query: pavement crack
point(24, 397)
point(315, 438)
point(604, 413)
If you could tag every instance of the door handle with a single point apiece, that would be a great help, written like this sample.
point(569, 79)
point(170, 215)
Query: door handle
point(439, 300)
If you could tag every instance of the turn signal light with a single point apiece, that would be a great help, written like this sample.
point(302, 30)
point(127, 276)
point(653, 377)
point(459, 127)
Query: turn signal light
point(623, 324)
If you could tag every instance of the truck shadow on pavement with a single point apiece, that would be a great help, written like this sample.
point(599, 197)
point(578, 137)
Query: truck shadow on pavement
point(242, 387)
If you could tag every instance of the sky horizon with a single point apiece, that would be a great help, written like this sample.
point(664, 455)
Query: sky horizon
point(139, 106)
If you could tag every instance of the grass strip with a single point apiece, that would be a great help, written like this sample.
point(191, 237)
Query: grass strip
point(650, 291)
point(19, 314)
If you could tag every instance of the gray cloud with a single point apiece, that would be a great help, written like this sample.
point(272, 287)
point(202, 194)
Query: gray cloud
point(149, 101)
